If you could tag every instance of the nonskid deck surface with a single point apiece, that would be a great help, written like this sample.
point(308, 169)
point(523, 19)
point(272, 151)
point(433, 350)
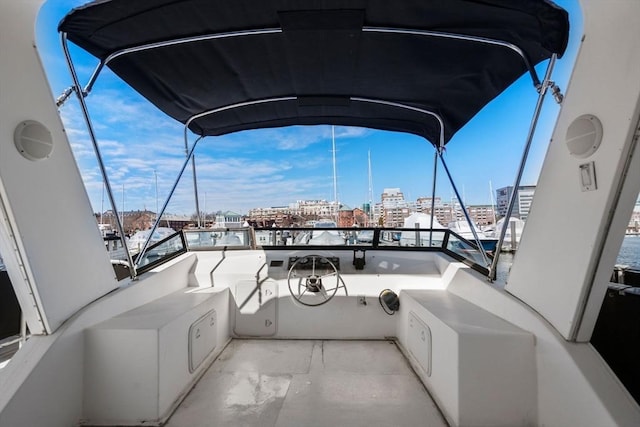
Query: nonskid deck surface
point(308, 383)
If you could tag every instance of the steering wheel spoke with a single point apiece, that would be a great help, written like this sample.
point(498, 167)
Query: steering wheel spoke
point(323, 291)
point(333, 273)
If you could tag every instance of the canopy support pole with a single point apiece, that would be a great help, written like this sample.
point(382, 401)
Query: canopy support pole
point(464, 209)
point(195, 182)
point(166, 202)
point(96, 148)
point(433, 193)
point(542, 91)
point(87, 89)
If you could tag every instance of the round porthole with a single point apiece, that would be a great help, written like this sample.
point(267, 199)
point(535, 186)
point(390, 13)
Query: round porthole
point(584, 136)
point(33, 140)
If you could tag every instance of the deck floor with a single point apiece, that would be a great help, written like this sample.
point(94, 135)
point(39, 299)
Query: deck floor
point(308, 383)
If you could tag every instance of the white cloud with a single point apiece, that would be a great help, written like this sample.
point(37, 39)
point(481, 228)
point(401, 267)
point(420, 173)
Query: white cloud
point(237, 171)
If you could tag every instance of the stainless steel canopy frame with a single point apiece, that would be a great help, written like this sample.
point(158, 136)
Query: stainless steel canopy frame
point(485, 258)
point(462, 37)
point(173, 189)
point(96, 148)
point(232, 34)
point(81, 93)
point(433, 193)
point(546, 84)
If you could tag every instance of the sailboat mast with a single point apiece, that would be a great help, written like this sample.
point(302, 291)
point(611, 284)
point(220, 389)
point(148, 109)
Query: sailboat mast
point(102, 203)
point(335, 178)
point(370, 189)
point(493, 206)
point(155, 174)
point(122, 204)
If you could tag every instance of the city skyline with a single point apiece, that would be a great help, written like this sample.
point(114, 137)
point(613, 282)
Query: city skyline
point(271, 166)
point(294, 204)
point(393, 208)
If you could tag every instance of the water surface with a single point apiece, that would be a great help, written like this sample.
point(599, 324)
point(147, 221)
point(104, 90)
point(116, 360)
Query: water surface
point(630, 252)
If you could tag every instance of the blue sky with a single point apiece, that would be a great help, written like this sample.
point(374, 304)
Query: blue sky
point(275, 167)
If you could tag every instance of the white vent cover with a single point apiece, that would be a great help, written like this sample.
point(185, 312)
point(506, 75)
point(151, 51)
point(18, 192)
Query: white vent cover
point(33, 140)
point(584, 136)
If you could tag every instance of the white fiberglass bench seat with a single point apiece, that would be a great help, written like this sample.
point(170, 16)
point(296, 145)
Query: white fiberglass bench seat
point(480, 368)
point(139, 364)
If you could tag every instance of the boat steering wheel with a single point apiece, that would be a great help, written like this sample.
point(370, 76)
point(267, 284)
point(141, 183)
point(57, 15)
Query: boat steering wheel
point(318, 286)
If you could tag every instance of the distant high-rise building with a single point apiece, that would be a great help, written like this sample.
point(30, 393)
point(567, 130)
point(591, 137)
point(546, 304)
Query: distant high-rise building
point(423, 204)
point(392, 197)
point(482, 215)
point(522, 206)
point(395, 207)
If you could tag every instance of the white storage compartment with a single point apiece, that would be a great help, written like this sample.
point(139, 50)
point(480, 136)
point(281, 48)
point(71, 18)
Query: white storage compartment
point(138, 365)
point(480, 368)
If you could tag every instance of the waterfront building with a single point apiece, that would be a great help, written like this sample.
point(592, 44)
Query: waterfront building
point(345, 217)
point(361, 218)
point(634, 221)
point(394, 216)
point(378, 214)
point(395, 207)
point(281, 216)
point(482, 215)
point(133, 221)
point(295, 213)
point(391, 211)
point(522, 206)
point(317, 209)
point(268, 212)
point(392, 197)
point(228, 219)
point(423, 204)
point(445, 213)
